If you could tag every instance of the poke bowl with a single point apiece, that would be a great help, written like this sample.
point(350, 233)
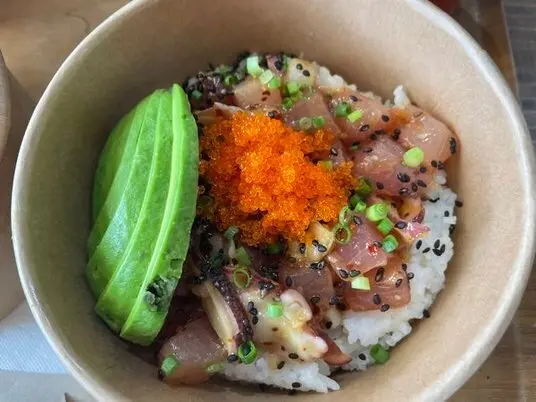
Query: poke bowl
point(295, 197)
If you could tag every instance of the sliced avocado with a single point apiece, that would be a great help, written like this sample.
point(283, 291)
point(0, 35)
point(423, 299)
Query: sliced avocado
point(119, 296)
point(109, 252)
point(165, 266)
point(114, 171)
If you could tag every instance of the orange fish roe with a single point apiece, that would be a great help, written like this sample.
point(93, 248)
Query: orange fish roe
point(263, 182)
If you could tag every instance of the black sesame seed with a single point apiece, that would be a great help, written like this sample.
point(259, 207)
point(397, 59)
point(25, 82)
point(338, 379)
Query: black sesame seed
point(414, 187)
point(306, 73)
point(288, 281)
point(358, 220)
point(302, 248)
point(418, 244)
point(293, 356)
point(437, 252)
point(440, 165)
point(232, 358)
point(322, 248)
point(404, 266)
point(398, 282)
point(401, 225)
point(354, 273)
point(275, 329)
point(318, 265)
point(314, 299)
point(459, 204)
point(343, 273)
point(403, 177)
point(437, 243)
point(426, 313)
point(384, 308)
point(451, 229)
point(278, 64)
point(421, 183)
point(434, 200)
point(353, 98)
point(329, 324)
point(280, 365)
point(453, 145)
point(377, 243)
point(364, 127)
point(296, 385)
point(376, 299)
point(379, 274)
point(434, 163)
point(362, 356)
point(418, 114)
point(426, 250)
point(403, 191)
point(253, 311)
point(385, 118)
point(446, 214)
point(315, 243)
point(299, 66)
point(373, 137)
point(255, 320)
point(272, 114)
point(410, 275)
point(442, 248)
point(333, 151)
point(422, 169)
point(379, 185)
point(333, 300)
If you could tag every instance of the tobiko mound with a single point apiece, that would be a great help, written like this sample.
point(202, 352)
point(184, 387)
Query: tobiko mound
point(300, 227)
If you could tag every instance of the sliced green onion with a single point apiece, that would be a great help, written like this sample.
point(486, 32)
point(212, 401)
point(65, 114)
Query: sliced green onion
point(361, 283)
point(318, 121)
point(241, 278)
point(354, 199)
point(242, 257)
point(230, 80)
point(385, 226)
point(354, 148)
point(296, 97)
point(360, 206)
point(377, 211)
point(379, 354)
point(231, 232)
point(390, 244)
point(274, 83)
point(287, 103)
point(326, 164)
point(364, 188)
point(247, 352)
point(252, 66)
point(305, 123)
point(275, 310)
point(273, 249)
point(214, 368)
point(343, 230)
point(344, 215)
point(342, 109)
point(413, 157)
point(355, 116)
point(169, 365)
point(266, 77)
point(292, 88)
point(223, 69)
point(197, 94)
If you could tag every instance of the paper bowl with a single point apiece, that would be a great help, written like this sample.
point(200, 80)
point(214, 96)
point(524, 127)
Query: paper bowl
point(377, 45)
point(5, 105)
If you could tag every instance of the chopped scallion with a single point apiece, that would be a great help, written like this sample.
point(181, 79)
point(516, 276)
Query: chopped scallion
point(364, 188)
point(326, 164)
point(274, 83)
point(241, 278)
point(413, 157)
point(214, 368)
point(361, 283)
point(197, 94)
point(242, 257)
point(343, 234)
point(169, 365)
point(360, 206)
point(385, 226)
point(355, 116)
point(230, 80)
point(305, 123)
point(296, 97)
point(390, 244)
point(318, 121)
point(273, 249)
point(292, 88)
point(377, 211)
point(354, 199)
point(231, 232)
point(342, 109)
point(247, 352)
point(275, 310)
point(344, 215)
point(252, 66)
point(266, 77)
point(287, 103)
point(379, 354)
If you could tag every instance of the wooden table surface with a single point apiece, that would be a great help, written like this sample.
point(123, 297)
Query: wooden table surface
point(37, 35)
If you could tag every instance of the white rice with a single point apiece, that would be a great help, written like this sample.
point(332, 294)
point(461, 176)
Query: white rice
point(359, 331)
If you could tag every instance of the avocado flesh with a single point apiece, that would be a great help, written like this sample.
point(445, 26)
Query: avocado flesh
point(165, 267)
point(118, 233)
point(117, 299)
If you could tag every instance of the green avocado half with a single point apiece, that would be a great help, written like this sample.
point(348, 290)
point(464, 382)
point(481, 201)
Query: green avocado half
point(147, 177)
